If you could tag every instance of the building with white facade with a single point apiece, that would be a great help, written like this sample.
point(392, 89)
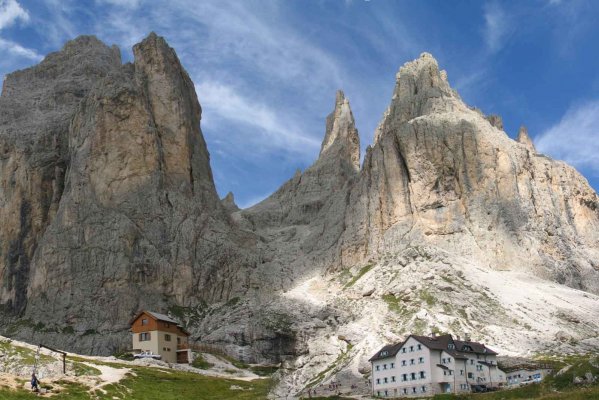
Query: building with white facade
point(425, 366)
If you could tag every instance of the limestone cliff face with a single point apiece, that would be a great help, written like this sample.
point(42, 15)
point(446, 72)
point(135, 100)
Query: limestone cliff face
point(440, 173)
point(304, 219)
point(35, 109)
point(132, 219)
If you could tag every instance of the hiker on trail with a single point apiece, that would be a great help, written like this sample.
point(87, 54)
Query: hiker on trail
point(34, 383)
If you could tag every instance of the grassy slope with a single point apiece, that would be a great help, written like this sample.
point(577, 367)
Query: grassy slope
point(152, 383)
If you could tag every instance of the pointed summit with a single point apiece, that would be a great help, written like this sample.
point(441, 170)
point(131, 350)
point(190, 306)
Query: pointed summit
point(524, 139)
point(341, 137)
point(421, 88)
point(229, 203)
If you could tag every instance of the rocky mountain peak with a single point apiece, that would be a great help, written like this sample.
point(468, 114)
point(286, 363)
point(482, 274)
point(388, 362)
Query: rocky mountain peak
point(341, 136)
point(496, 121)
point(228, 203)
point(421, 88)
point(524, 139)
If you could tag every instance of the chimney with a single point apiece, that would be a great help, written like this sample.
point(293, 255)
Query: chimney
point(467, 337)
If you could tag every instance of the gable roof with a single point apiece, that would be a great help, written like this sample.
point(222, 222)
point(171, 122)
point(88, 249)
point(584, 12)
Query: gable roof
point(162, 317)
point(460, 350)
point(159, 317)
point(478, 348)
point(387, 351)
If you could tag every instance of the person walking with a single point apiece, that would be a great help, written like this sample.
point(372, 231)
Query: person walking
point(34, 383)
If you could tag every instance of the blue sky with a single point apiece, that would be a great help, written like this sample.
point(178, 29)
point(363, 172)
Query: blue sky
point(266, 72)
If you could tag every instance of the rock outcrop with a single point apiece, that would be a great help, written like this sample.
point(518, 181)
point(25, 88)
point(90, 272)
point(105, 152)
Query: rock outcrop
point(133, 218)
point(524, 139)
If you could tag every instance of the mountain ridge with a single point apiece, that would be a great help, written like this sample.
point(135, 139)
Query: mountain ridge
point(114, 209)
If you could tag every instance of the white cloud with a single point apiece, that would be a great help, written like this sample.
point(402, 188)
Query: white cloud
point(18, 50)
point(11, 12)
point(497, 26)
point(121, 3)
point(575, 138)
point(222, 102)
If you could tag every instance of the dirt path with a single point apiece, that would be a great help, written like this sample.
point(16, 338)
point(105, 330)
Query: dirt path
point(108, 375)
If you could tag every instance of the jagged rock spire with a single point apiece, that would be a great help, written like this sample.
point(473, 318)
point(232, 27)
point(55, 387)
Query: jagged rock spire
point(524, 139)
point(496, 121)
point(421, 88)
point(341, 138)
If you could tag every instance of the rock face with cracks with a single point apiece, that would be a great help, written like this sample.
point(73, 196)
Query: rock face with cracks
point(109, 206)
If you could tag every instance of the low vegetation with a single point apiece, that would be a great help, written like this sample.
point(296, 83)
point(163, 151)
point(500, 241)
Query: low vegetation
point(363, 271)
point(155, 384)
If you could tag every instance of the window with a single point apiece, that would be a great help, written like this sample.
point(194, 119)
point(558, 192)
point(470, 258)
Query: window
point(404, 377)
point(471, 362)
point(164, 349)
point(167, 337)
point(451, 346)
point(449, 360)
point(144, 321)
point(384, 366)
point(444, 372)
point(392, 365)
point(470, 375)
point(413, 376)
point(384, 353)
point(378, 381)
point(423, 389)
point(168, 349)
point(419, 347)
point(450, 372)
point(412, 362)
point(144, 336)
point(393, 379)
point(422, 375)
point(405, 390)
point(386, 393)
point(378, 367)
point(421, 360)
point(411, 348)
point(413, 390)
point(403, 350)
point(385, 380)
point(442, 361)
point(461, 372)
point(403, 363)
point(378, 393)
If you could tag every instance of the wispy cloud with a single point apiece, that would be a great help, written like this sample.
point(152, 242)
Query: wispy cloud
point(121, 3)
point(497, 26)
point(18, 50)
point(575, 138)
point(11, 12)
point(271, 131)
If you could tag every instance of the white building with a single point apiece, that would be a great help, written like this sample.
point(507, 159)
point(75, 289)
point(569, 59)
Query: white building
point(424, 366)
point(525, 374)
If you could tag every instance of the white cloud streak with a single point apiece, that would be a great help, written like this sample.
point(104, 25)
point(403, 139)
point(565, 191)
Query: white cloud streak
point(497, 26)
point(222, 102)
point(18, 50)
point(575, 138)
point(11, 12)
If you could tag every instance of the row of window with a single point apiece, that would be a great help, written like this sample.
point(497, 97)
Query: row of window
point(403, 363)
point(404, 377)
point(464, 386)
point(405, 349)
point(414, 390)
point(446, 361)
point(145, 336)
